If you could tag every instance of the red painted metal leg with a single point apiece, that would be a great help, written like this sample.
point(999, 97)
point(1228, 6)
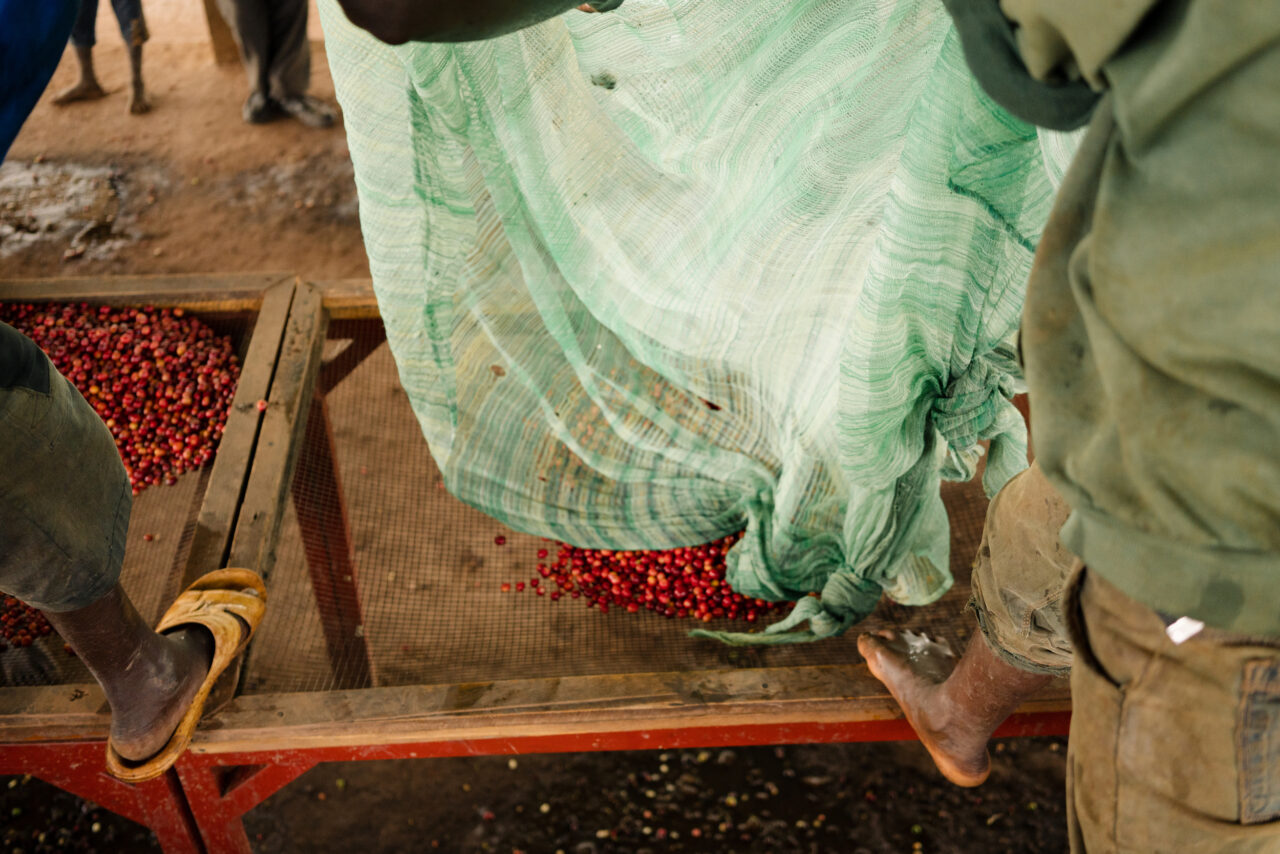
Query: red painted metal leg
point(326, 539)
point(221, 788)
point(219, 796)
point(79, 768)
point(166, 813)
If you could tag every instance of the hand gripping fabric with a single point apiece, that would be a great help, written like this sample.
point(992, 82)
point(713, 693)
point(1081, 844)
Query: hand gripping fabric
point(696, 267)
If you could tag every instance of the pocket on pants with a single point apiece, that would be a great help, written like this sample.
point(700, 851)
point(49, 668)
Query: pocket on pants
point(1258, 741)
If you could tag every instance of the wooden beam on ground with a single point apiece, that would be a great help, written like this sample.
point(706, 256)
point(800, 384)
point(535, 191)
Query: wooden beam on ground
point(221, 39)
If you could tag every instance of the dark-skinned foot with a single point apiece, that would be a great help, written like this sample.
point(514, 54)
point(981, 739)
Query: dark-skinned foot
point(915, 670)
point(138, 102)
point(85, 90)
point(143, 723)
point(259, 109)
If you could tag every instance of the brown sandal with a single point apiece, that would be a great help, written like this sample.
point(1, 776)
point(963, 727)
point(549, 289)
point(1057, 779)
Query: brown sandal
point(229, 603)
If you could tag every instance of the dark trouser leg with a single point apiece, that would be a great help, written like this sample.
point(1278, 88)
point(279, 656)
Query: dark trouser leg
point(84, 31)
point(250, 22)
point(289, 72)
point(291, 65)
point(64, 514)
point(133, 27)
point(83, 36)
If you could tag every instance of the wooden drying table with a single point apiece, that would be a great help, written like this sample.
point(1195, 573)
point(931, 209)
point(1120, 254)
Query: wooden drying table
point(278, 478)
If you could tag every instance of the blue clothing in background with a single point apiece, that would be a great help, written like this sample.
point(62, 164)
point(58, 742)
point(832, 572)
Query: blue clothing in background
point(32, 38)
point(128, 16)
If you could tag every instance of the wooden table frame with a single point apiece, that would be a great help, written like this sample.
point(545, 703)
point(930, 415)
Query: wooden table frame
point(258, 743)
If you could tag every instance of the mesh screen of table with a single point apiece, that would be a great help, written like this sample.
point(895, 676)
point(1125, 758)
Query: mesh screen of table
point(418, 584)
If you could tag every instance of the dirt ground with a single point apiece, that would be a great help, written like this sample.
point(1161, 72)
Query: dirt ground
point(90, 190)
point(823, 799)
point(186, 188)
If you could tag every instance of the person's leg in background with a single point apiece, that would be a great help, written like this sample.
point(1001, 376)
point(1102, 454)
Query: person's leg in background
point(250, 23)
point(290, 71)
point(272, 35)
point(1019, 579)
point(83, 38)
point(64, 514)
point(133, 26)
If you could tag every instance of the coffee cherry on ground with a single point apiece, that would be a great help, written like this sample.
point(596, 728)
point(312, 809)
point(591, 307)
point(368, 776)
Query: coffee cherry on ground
point(161, 381)
point(683, 582)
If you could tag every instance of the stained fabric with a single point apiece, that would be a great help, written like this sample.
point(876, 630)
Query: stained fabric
point(1152, 329)
point(991, 48)
point(687, 268)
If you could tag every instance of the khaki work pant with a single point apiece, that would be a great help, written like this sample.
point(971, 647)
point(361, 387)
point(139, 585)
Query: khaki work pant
point(1174, 747)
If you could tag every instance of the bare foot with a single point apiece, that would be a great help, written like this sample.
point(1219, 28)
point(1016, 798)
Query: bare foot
point(138, 103)
point(915, 671)
point(85, 90)
point(143, 725)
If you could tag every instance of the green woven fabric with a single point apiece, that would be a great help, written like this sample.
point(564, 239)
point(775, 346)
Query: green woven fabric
point(658, 275)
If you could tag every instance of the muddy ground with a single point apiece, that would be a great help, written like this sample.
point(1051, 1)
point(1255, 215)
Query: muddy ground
point(188, 188)
point(842, 799)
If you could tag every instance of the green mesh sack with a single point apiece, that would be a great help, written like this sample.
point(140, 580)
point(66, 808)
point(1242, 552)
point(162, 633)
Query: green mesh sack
point(692, 267)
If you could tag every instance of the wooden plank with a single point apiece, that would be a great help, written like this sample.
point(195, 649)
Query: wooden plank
point(280, 437)
point(221, 39)
point(349, 299)
point(241, 292)
point(215, 524)
point(474, 711)
point(54, 713)
point(275, 455)
point(547, 707)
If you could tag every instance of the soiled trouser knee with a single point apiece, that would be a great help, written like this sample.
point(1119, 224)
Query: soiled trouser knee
point(1174, 747)
point(133, 26)
point(1020, 574)
point(64, 494)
